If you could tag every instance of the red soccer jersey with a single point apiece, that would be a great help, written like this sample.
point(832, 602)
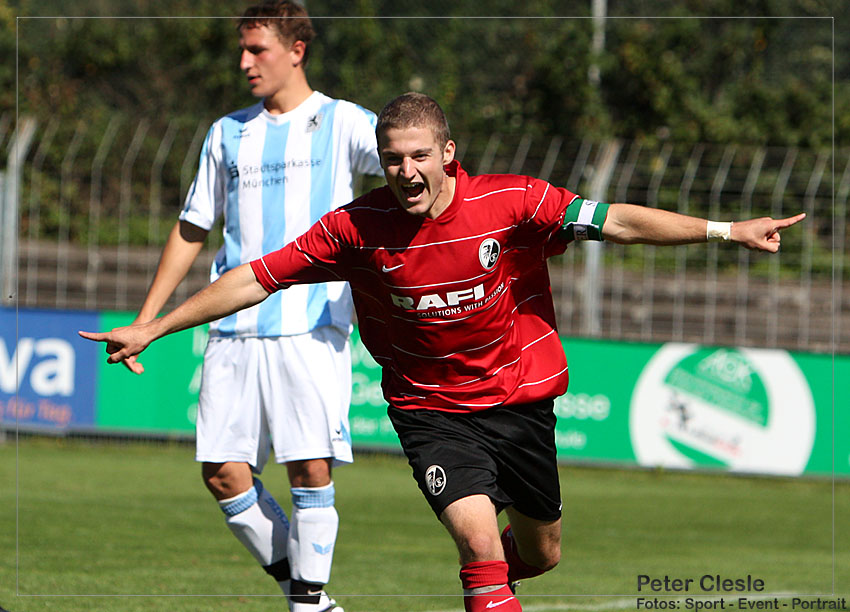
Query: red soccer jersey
point(457, 310)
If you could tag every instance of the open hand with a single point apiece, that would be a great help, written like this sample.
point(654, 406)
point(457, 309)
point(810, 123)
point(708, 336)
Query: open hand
point(762, 234)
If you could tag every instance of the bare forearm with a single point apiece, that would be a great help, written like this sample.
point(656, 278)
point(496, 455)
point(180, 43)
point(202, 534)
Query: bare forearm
point(181, 249)
point(234, 291)
point(630, 224)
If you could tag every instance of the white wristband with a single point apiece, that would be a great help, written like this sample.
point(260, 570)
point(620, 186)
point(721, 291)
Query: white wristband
point(718, 231)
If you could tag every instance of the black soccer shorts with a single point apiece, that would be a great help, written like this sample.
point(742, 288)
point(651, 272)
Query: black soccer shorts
point(507, 453)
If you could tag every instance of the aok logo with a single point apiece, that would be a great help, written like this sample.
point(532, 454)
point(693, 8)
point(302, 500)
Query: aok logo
point(743, 410)
point(437, 300)
point(52, 372)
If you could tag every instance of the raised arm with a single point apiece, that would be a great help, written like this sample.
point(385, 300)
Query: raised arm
point(234, 291)
point(631, 224)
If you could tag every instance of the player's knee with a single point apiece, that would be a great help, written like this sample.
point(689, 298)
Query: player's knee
point(479, 547)
point(551, 559)
point(310, 472)
point(226, 480)
point(545, 556)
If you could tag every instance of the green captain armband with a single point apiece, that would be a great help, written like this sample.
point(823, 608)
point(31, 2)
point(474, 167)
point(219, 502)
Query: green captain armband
point(583, 220)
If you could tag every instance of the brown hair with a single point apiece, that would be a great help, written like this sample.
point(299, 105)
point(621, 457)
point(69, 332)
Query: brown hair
point(414, 110)
point(288, 19)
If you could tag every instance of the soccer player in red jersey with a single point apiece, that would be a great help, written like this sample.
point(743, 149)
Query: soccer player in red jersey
point(449, 278)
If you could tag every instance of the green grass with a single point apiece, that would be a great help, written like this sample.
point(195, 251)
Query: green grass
point(129, 527)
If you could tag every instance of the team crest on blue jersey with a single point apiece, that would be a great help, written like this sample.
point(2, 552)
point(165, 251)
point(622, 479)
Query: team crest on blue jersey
point(314, 122)
point(488, 253)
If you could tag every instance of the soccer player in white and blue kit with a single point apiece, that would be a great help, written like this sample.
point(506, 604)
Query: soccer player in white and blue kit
point(281, 371)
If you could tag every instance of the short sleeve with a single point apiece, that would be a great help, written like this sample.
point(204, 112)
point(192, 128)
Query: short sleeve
point(364, 145)
point(205, 200)
point(313, 257)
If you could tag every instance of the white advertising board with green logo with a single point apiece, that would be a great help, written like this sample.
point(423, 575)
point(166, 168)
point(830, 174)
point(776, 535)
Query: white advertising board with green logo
point(687, 406)
point(681, 406)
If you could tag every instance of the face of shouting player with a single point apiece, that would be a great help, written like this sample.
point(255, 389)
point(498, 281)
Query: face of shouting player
point(413, 163)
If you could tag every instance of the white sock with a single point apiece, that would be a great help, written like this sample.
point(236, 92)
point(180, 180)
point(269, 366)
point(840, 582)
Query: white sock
point(256, 519)
point(312, 534)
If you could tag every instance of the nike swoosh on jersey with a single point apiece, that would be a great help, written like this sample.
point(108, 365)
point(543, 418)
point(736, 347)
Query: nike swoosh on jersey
point(496, 604)
point(386, 269)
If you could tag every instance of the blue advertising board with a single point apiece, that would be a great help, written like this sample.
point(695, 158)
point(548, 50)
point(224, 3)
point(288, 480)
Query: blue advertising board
point(47, 372)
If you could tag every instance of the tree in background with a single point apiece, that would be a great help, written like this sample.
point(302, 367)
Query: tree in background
point(763, 80)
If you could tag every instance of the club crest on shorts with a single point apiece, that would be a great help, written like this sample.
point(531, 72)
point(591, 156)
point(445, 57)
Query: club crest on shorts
point(435, 479)
point(488, 253)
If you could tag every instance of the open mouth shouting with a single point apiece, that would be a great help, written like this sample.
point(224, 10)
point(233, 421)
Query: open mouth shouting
point(413, 191)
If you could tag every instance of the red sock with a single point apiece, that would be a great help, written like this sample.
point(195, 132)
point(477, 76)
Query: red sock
point(517, 568)
point(477, 577)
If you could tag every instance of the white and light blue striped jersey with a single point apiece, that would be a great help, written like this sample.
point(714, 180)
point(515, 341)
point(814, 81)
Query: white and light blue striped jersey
point(272, 177)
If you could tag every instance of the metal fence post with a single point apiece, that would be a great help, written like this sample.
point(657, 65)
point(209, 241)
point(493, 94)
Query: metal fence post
point(684, 207)
point(9, 212)
point(773, 271)
point(66, 203)
point(34, 210)
point(808, 230)
point(743, 281)
point(125, 201)
point(94, 260)
point(717, 186)
point(606, 160)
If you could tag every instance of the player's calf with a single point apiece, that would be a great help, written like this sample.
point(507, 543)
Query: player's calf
point(312, 536)
point(517, 568)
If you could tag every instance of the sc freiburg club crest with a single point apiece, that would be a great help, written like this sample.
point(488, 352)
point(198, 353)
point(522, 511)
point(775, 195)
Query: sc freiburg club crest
point(435, 479)
point(488, 253)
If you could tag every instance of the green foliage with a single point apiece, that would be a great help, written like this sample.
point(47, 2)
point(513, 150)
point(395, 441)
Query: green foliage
point(721, 80)
point(688, 74)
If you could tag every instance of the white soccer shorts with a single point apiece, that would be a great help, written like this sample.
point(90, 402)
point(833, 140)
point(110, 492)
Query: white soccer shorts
point(291, 392)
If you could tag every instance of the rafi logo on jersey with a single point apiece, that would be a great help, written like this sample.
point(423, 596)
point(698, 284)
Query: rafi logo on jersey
point(435, 480)
point(743, 410)
point(314, 122)
point(488, 253)
point(438, 300)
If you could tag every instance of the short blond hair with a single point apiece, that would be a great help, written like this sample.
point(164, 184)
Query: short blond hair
point(414, 110)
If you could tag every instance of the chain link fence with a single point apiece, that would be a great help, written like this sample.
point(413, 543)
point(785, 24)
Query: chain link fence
point(124, 95)
point(120, 187)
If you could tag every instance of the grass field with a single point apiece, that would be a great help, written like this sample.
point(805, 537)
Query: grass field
point(126, 527)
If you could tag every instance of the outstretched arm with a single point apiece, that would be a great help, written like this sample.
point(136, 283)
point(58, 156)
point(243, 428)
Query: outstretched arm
point(630, 224)
point(235, 290)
